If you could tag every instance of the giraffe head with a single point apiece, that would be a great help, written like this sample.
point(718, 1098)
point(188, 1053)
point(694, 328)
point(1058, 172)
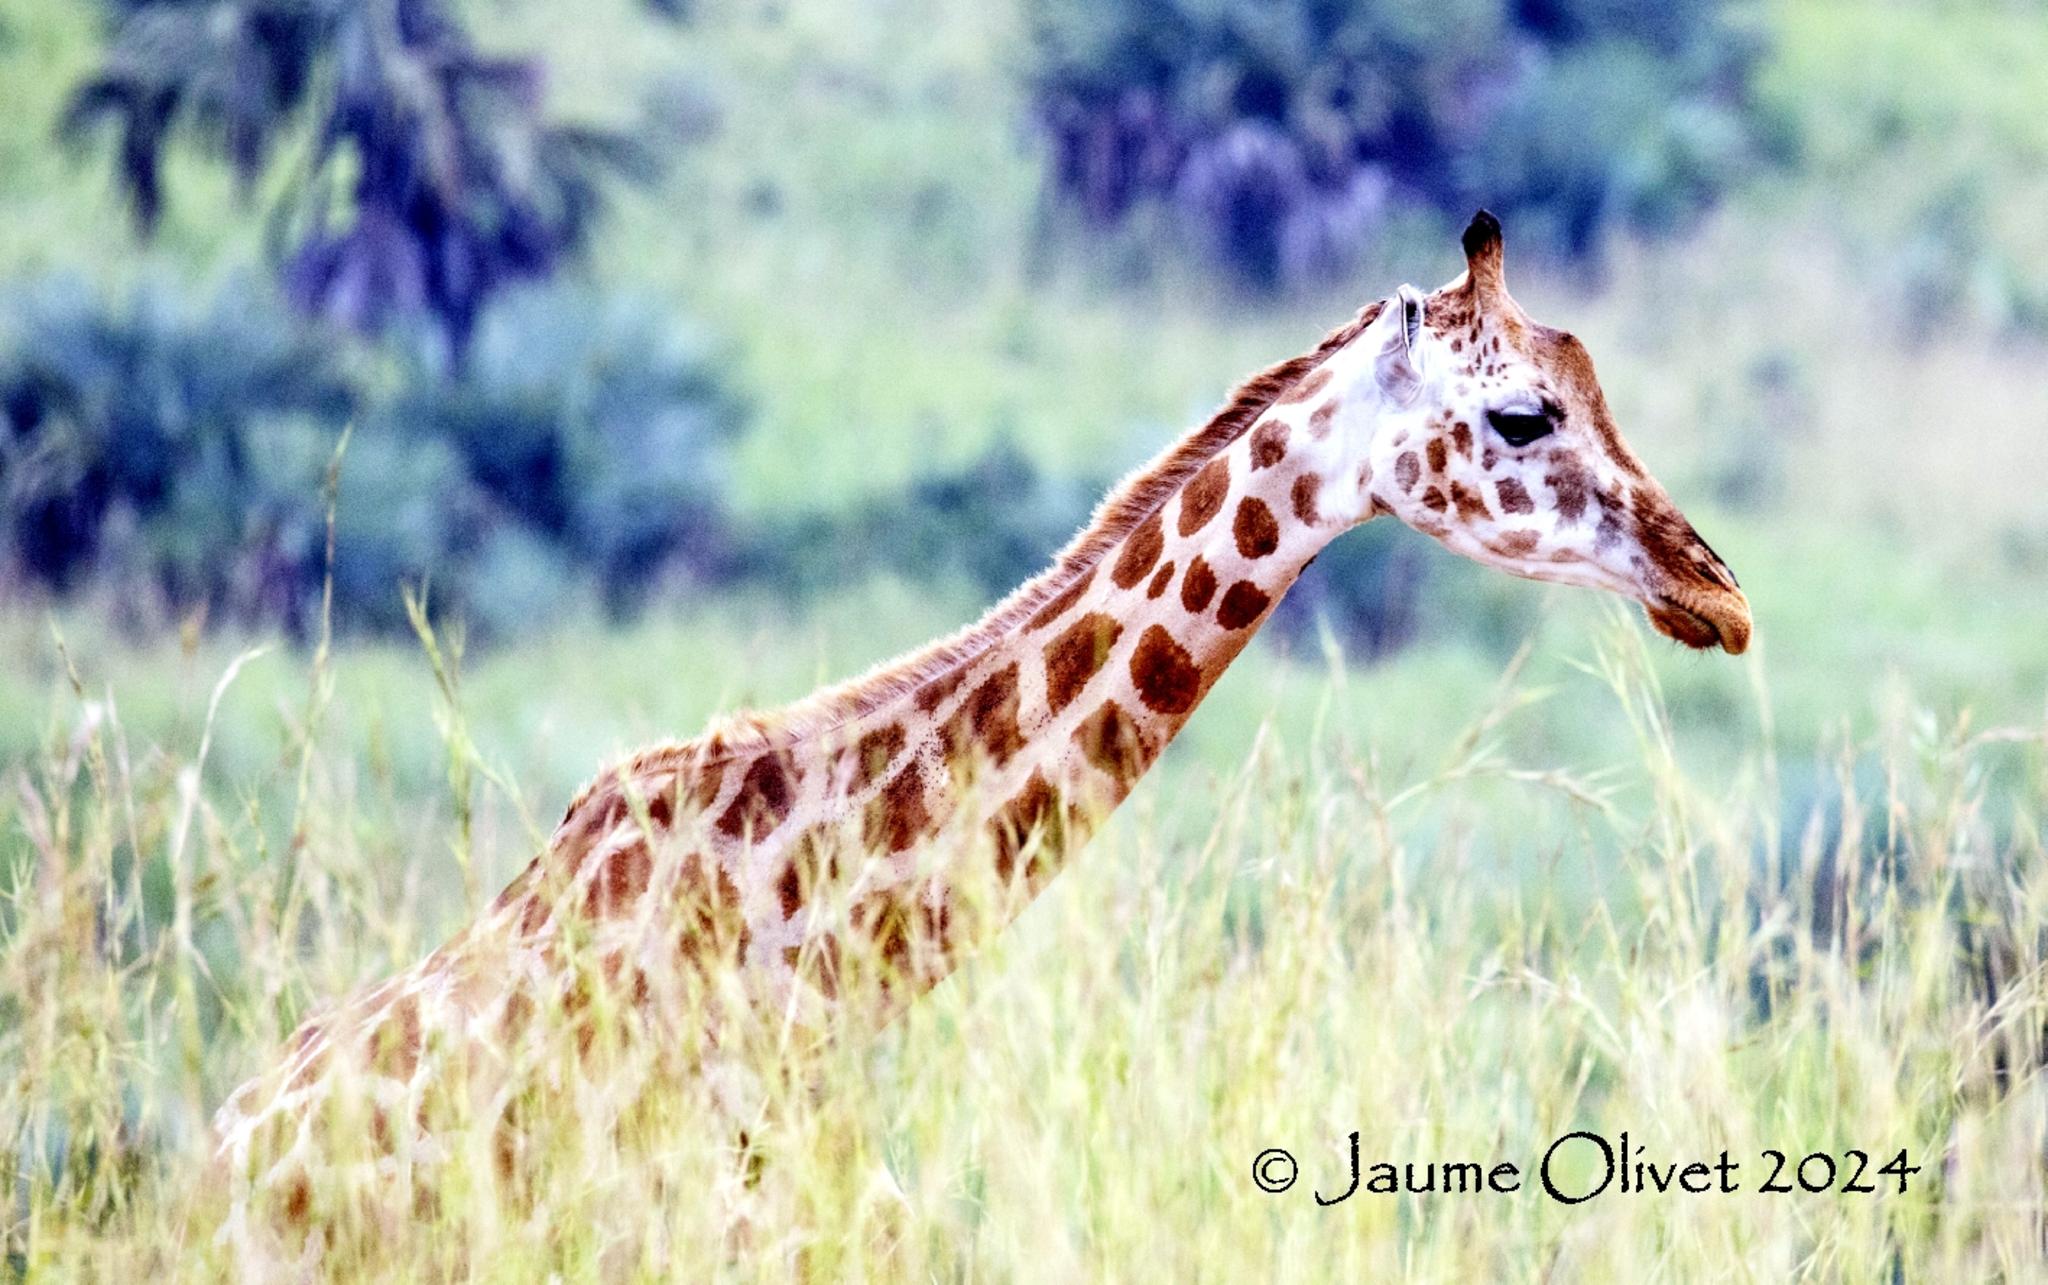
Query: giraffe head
point(1492, 436)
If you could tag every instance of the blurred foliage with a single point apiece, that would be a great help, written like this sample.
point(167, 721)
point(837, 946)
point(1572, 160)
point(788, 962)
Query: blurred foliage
point(859, 223)
point(177, 451)
point(1366, 589)
point(599, 427)
point(430, 178)
point(128, 440)
point(991, 523)
point(1285, 135)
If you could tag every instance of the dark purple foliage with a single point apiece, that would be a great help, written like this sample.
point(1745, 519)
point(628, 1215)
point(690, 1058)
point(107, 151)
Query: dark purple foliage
point(1281, 134)
point(461, 186)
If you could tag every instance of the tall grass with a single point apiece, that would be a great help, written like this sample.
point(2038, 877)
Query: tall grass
point(1337, 949)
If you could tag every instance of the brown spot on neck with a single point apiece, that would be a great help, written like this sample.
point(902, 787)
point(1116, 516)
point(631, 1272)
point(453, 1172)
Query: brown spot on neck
point(1165, 675)
point(314, 1063)
point(1160, 579)
point(1111, 740)
point(1198, 586)
point(766, 795)
point(394, 1044)
point(1306, 488)
point(874, 752)
point(897, 817)
point(882, 924)
point(298, 1200)
point(1035, 810)
point(1258, 534)
point(988, 719)
point(1141, 552)
point(1076, 656)
point(708, 911)
point(534, 914)
point(1243, 603)
point(704, 789)
point(789, 889)
point(1268, 443)
point(619, 882)
point(1319, 419)
point(1407, 471)
point(1202, 498)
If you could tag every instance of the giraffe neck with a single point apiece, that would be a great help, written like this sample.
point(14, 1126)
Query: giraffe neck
point(965, 785)
point(890, 823)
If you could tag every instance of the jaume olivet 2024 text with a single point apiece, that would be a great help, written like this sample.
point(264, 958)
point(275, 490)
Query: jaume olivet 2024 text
point(1581, 1166)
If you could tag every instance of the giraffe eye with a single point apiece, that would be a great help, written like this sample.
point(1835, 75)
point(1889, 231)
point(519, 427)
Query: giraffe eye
point(1519, 428)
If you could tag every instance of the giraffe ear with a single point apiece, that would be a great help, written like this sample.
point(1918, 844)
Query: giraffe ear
point(1398, 366)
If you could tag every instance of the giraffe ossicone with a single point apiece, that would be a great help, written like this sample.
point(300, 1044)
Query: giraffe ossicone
point(876, 830)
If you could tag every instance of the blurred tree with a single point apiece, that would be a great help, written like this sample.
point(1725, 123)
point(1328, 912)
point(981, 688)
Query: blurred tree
point(175, 452)
point(128, 443)
point(1365, 588)
point(1284, 132)
point(601, 431)
point(991, 522)
point(456, 185)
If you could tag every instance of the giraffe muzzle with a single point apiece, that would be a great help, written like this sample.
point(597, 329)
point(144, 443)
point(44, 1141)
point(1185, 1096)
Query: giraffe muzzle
point(1689, 593)
point(1703, 620)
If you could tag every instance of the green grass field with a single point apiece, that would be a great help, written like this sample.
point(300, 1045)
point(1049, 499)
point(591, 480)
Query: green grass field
point(1332, 942)
point(1539, 873)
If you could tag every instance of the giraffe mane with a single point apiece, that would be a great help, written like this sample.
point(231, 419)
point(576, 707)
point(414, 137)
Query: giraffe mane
point(1139, 495)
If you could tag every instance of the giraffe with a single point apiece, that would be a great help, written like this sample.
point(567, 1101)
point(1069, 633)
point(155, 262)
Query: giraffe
point(879, 829)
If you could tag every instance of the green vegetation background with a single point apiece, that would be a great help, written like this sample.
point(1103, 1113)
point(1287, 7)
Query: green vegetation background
point(1838, 372)
point(1834, 373)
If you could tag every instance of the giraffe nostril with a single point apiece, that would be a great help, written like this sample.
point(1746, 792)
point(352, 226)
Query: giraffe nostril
point(1712, 565)
point(1718, 571)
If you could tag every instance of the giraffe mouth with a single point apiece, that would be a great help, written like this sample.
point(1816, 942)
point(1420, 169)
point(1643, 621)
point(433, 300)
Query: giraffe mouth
point(1703, 625)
